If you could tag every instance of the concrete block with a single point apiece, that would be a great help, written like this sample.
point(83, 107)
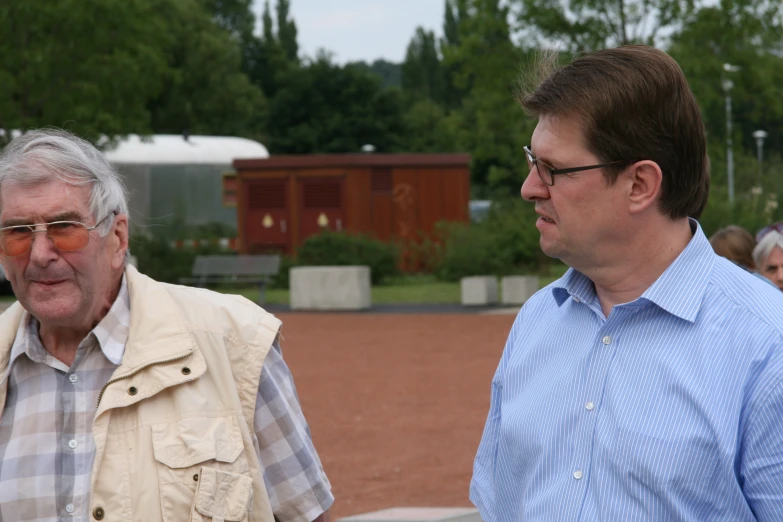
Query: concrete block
point(518, 289)
point(327, 288)
point(417, 514)
point(479, 290)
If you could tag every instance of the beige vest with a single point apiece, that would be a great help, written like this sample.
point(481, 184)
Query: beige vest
point(174, 427)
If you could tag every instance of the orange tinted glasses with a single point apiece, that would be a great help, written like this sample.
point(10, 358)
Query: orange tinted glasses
point(67, 236)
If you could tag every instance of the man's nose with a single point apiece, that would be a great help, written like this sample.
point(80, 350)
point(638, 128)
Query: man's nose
point(533, 188)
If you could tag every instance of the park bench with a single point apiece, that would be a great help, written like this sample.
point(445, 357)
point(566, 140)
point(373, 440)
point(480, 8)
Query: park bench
point(234, 270)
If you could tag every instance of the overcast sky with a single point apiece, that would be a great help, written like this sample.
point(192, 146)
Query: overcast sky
point(361, 29)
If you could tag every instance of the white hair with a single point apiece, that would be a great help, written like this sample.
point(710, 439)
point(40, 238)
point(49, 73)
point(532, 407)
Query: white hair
point(764, 248)
point(41, 155)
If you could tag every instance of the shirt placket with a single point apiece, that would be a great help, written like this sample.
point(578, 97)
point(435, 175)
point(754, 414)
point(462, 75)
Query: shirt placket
point(604, 347)
point(72, 397)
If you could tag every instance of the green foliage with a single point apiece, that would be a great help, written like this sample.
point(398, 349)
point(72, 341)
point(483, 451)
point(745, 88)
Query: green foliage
point(323, 107)
point(340, 249)
point(422, 76)
point(390, 73)
point(505, 243)
point(159, 260)
point(205, 91)
point(594, 24)
point(88, 66)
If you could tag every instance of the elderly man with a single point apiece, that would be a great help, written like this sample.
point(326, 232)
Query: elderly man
point(125, 399)
point(768, 253)
point(647, 383)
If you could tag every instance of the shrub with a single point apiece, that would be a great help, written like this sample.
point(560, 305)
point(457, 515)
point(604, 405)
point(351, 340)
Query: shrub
point(341, 249)
point(159, 260)
point(504, 243)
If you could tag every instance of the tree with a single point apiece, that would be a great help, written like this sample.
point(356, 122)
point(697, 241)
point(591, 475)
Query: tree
point(265, 60)
point(325, 108)
point(390, 73)
point(234, 16)
point(286, 30)
point(489, 123)
point(89, 66)
point(580, 25)
point(747, 34)
point(455, 12)
point(422, 75)
point(205, 90)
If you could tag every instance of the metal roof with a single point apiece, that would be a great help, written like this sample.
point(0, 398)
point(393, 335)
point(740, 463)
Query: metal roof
point(176, 150)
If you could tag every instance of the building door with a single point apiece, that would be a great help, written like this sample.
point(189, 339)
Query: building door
point(322, 205)
point(267, 221)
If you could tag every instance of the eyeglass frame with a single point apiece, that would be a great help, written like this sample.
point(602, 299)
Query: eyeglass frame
point(45, 228)
point(533, 162)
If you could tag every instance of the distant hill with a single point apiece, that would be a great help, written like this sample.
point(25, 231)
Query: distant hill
point(390, 73)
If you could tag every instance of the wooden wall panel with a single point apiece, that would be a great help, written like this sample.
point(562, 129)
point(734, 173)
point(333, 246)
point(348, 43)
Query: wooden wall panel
point(431, 196)
point(456, 183)
point(358, 211)
point(405, 200)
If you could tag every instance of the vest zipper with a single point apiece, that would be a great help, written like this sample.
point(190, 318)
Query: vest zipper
point(112, 381)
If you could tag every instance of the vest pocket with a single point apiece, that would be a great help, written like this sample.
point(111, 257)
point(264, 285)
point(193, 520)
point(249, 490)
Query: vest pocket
point(184, 450)
point(222, 497)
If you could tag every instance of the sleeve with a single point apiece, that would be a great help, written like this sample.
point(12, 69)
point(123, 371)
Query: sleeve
point(761, 471)
point(482, 485)
point(298, 488)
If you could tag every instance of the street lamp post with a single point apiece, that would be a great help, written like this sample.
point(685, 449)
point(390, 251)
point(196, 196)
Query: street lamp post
point(727, 86)
point(760, 135)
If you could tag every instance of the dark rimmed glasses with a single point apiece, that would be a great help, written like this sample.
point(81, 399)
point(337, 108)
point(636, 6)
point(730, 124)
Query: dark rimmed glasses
point(67, 236)
point(547, 172)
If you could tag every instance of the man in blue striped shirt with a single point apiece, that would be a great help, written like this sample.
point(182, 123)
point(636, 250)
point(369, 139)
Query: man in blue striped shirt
point(647, 383)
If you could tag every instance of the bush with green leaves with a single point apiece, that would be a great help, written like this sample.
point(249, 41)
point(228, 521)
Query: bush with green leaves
point(157, 258)
point(341, 249)
point(504, 243)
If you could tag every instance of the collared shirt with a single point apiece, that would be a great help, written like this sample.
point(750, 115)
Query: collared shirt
point(46, 443)
point(669, 409)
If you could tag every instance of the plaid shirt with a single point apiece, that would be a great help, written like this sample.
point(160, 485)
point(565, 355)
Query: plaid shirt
point(46, 443)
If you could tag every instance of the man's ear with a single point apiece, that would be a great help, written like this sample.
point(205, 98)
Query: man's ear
point(119, 241)
point(646, 180)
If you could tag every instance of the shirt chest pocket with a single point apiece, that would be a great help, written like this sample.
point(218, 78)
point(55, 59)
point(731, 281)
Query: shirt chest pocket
point(684, 464)
point(202, 470)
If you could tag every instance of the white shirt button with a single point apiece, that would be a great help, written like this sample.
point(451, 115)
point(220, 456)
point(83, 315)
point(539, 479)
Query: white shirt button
point(72, 444)
point(577, 474)
point(589, 406)
point(73, 377)
point(607, 340)
point(576, 299)
point(69, 508)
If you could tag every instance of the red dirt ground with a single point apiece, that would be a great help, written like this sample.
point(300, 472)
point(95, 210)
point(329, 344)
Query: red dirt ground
point(396, 403)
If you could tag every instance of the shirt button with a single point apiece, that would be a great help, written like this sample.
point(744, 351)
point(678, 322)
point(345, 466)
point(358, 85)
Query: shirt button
point(577, 474)
point(69, 508)
point(576, 299)
point(607, 340)
point(73, 377)
point(589, 406)
point(72, 444)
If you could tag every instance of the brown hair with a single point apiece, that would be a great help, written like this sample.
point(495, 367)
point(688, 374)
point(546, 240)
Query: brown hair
point(634, 103)
point(736, 244)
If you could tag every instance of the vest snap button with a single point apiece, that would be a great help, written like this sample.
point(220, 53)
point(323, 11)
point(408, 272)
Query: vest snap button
point(132, 390)
point(185, 371)
point(195, 477)
point(98, 513)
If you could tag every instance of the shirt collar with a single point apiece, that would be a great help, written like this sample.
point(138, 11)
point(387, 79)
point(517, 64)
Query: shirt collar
point(111, 332)
point(679, 290)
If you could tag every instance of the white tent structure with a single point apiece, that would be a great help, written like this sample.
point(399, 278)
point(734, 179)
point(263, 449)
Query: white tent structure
point(174, 178)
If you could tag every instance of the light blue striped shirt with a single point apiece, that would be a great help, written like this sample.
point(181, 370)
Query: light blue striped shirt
point(670, 409)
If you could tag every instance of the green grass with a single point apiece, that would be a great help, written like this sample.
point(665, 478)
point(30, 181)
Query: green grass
point(417, 289)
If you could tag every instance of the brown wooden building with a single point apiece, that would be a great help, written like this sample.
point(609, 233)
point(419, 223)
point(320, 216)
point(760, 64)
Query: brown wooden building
point(283, 200)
